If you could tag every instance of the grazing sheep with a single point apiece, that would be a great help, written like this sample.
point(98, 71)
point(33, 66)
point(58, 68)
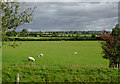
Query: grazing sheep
point(75, 53)
point(40, 55)
point(31, 59)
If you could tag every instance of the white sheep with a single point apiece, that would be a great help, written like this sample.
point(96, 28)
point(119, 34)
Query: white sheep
point(31, 59)
point(40, 55)
point(75, 53)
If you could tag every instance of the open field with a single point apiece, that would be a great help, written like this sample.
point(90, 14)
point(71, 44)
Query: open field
point(58, 63)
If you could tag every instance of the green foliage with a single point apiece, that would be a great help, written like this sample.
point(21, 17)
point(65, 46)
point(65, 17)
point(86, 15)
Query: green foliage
point(77, 35)
point(116, 36)
point(116, 31)
point(11, 33)
point(11, 18)
point(5, 38)
point(93, 36)
point(24, 31)
point(54, 34)
point(111, 46)
point(49, 38)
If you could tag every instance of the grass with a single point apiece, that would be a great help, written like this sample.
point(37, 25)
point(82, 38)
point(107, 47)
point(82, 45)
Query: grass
point(40, 73)
point(58, 63)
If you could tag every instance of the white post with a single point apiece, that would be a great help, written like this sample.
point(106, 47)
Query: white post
point(17, 78)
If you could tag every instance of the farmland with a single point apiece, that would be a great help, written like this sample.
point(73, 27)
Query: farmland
point(59, 64)
point(52, 36)
point(81, 37)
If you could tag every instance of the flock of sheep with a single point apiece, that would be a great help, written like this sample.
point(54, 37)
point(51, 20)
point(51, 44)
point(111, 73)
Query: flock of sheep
point(32, 59)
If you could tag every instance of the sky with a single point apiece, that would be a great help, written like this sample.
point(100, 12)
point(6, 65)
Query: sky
point(71, 16)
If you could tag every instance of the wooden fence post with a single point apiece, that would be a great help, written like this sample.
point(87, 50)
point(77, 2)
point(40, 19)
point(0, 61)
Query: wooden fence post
point(17, 78)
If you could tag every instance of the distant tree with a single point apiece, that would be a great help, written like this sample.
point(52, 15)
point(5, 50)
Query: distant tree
point(24, 31)
point(93, 36)
point(54, 34)
point(62, 35)
point(41, 33)
point(11, 33)
point(35, 34)
point(69, 35)
point(77, 34)
point(111, 46)
point(72, 35)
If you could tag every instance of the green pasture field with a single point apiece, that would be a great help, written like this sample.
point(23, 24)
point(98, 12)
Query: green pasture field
point(59, 64)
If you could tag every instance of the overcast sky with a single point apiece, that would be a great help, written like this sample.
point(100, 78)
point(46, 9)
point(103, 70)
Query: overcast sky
point(71, 16)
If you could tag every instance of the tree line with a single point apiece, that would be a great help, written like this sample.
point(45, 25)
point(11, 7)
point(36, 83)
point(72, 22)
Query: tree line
point(62, 35)
point(25, 33)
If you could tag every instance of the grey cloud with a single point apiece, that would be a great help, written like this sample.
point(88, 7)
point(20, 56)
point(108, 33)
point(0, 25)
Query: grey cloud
point(72, 16)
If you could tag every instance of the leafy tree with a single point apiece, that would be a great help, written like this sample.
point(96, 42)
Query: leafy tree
point(41, 34)
point(77, 35)
point(11, 18)
point(93, 36)
point(24, 31)
point(11, 33)
point(54, 34)
point(68, 35)
point(111, 46)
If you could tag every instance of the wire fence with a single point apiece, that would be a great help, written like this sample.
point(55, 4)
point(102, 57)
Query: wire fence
point(65, 75)
point(19, 76)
